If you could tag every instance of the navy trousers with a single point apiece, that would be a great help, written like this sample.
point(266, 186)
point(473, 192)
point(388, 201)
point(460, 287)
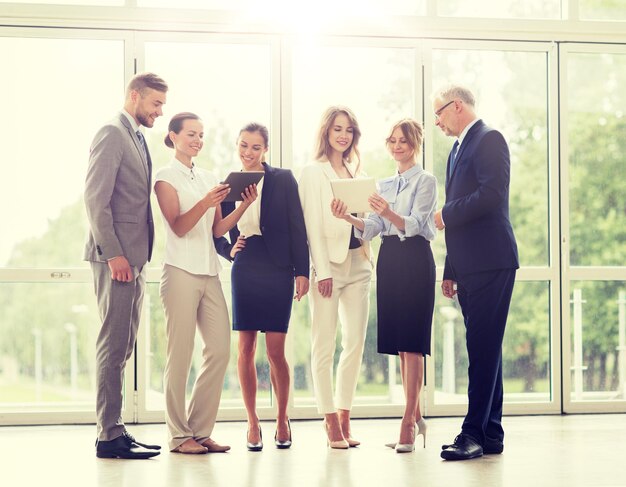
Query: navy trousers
point(485, 298)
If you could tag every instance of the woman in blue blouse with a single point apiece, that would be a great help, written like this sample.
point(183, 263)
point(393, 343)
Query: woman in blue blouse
point(403, 215)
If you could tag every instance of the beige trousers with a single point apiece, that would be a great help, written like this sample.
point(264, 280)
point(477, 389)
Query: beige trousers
point(193, 301)
point(350, 303)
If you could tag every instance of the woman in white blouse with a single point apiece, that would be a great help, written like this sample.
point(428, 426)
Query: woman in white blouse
point(190, 290)
point(340, 275)
point(403, 215)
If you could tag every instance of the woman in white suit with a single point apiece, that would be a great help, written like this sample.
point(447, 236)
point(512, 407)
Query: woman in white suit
point(340, 274)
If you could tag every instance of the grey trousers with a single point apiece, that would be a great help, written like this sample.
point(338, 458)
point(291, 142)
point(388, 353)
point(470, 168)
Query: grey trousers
point(119, 304)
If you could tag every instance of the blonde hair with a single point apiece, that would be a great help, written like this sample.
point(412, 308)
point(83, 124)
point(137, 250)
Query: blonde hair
point(412, 131)
point(323, 148)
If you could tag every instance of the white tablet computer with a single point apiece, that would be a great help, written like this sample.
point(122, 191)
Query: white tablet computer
point(354, 193)
point(239, 181)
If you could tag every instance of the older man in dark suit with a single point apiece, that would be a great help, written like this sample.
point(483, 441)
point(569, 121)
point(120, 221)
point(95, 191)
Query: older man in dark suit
point(117, 199)
point(481, 261)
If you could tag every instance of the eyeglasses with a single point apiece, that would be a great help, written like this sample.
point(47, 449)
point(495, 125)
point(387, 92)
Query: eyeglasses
point(438, 112)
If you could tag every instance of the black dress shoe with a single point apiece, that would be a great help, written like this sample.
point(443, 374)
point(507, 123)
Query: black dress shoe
point(120, 448)
point(463, 448)
point(131, 441)
point(493, 446)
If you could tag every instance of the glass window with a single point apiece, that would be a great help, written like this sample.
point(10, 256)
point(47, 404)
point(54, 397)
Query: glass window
point(504, 9)
point(58, 93)
point(602, 9)
point(378, 86)
point(47, 359)
point(596, 124)
point(598, 338)
point(514, 100)
point(375, 83)
point(525, 350)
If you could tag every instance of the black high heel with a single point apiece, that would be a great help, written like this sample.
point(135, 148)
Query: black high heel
point(256, 446)
point(283, 445)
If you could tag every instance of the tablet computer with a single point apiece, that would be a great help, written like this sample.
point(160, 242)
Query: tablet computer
point(354, 193)
point(239, 181)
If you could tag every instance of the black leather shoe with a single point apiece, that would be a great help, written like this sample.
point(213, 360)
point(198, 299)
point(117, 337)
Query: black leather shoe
point(132, 442)
point(492, 446)
point(120, 448)
point(463, 448)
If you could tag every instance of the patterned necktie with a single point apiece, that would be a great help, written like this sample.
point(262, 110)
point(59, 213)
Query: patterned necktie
point(142, 141)
point(453, 158)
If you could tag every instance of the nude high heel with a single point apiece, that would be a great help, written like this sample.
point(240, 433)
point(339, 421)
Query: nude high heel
point(336, 444)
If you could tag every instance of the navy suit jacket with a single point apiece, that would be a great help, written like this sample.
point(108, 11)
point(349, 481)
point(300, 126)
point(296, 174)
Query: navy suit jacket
point(478, 232)
point(282, 222)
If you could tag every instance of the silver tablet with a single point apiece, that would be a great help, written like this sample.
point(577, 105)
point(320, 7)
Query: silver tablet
point(354, 193)
point(239, 181)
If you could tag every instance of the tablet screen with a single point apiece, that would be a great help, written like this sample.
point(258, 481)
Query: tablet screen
point(239, 181)
point(354, 193)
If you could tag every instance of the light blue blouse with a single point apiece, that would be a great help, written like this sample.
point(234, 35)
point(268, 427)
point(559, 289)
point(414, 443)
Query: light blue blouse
point(413, 195)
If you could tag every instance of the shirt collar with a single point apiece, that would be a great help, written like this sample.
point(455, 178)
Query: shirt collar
point(131, 119)
point(409, 173)
point(187, 171)
point(466, 130)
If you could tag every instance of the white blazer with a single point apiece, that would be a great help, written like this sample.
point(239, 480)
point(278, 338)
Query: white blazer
point(329, 237)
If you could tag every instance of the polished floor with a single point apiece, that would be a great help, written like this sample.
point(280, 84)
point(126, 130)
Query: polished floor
point(575, 450)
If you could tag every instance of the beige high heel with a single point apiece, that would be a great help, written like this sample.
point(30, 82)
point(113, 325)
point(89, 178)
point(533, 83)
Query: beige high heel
point(336, 444)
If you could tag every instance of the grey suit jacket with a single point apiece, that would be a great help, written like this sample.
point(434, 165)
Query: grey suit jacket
point(117, 196)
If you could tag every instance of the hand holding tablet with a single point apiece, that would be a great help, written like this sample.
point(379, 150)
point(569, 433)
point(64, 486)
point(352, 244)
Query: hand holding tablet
point(354, 193)
point(239, 182)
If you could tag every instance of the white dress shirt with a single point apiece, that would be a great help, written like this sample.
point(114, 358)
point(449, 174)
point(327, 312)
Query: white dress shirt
point(250, 222)
point(195, 251)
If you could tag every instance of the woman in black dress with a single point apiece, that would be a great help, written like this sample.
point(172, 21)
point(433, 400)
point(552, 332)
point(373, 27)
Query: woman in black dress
point(403, 215)
point(269, 251)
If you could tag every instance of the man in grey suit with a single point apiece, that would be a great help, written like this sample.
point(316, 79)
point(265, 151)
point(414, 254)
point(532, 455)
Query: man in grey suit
point(117, 199)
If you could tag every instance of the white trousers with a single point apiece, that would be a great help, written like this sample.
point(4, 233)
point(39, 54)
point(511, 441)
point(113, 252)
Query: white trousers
point(192, 301)
point(350, 303)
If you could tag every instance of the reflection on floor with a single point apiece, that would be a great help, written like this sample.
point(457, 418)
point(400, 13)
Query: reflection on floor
point(580, 450)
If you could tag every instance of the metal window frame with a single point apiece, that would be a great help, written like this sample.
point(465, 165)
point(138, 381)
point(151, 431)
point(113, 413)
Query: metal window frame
point(578, 273)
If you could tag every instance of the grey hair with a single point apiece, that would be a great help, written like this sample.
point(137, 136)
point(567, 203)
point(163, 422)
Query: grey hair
point(450, 92)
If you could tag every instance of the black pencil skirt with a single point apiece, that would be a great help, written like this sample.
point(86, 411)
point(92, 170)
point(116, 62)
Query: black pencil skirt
point(405, 292)
point(262, 291)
